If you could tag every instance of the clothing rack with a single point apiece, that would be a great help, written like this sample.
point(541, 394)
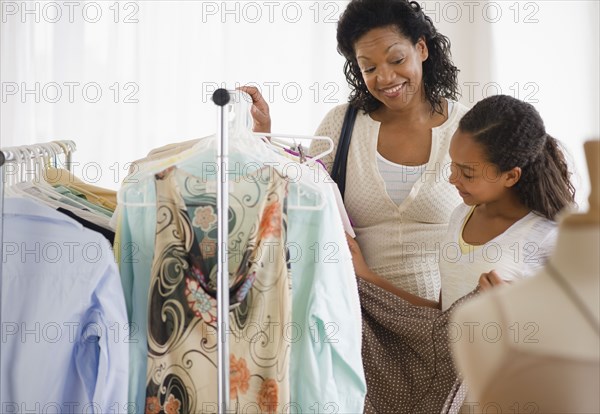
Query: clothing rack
point(2, 159)
point(19, 156)
point(221, 98)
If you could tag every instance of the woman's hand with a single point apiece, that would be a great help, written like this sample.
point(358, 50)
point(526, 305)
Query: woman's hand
point(259, 109)
point(360, 265)
point(489, 280)
point(363, 271)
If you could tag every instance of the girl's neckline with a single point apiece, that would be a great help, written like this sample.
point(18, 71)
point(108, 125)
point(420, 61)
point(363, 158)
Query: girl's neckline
point(462, 241)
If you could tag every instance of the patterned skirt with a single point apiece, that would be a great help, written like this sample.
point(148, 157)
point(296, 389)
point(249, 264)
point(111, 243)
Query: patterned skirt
point(406, 355)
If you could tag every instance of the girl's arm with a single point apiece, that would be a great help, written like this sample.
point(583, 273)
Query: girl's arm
point(363, 271)
point(490, 279)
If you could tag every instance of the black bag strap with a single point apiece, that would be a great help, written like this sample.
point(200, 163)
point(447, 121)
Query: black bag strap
point(338, 171)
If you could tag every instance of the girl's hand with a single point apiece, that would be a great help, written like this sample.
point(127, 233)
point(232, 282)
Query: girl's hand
point(490, 279)
point(360, 266)
point(259, 109)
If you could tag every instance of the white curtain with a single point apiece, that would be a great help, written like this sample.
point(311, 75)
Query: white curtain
point(543, 52)
point(121, 78)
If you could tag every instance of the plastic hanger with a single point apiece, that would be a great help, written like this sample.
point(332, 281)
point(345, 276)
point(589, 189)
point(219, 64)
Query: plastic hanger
point(305, 195)
point(276, 141)
point(30, 159)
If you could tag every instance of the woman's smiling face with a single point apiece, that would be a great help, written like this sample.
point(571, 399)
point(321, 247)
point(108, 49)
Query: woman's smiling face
point(391, 66)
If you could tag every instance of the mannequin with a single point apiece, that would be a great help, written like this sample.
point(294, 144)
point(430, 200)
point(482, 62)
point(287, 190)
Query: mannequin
point(535, 346)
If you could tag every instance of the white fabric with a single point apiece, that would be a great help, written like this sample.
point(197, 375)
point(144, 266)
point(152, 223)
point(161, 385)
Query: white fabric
point(515, 254)
point(167, 58)
point(156, 65)
point(342, 210)
point(399, 179)
point(398, 242)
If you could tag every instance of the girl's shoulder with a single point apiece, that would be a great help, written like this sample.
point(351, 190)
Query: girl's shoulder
point(539, 224)
point(533, 233)
point(542, 229)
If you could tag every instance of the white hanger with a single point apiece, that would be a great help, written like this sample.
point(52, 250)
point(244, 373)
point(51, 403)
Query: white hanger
point(307, 194)
point(285, 144)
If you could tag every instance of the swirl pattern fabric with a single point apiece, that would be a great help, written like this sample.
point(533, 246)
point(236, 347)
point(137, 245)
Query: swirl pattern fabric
point(182, 310)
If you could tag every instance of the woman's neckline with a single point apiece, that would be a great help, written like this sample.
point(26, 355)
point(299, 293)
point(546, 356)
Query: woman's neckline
point(450, 115)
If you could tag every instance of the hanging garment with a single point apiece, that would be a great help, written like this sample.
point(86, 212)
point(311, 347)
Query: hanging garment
point(182, 310)
point(101, 196)
point(50, 197)
point(326, 367)
point(406, 355)
point(109, 234)
point(325, 333)
point(65, 328)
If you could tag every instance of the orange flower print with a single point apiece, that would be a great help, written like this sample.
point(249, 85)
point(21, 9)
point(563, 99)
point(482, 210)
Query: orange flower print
point(152, 405)
point(208, 247)
point(267, 396)
point(203, 305)
point(172, 406)
point(270, 224)
point(204, 217)
point(239, 376)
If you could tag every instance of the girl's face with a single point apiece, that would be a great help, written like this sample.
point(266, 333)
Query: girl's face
point(477, 180)
point(391, 66)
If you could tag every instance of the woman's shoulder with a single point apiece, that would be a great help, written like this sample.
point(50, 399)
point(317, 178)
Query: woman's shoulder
point(337, 112)
point(456, 113)
point(460, 109)
point(331, 124)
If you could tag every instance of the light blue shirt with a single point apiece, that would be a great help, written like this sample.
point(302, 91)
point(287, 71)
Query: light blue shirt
point(65, 331)
point(326, 368)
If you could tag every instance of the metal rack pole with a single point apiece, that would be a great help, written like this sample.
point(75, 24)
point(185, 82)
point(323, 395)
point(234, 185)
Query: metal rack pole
point(221, 98)
point(2, 159)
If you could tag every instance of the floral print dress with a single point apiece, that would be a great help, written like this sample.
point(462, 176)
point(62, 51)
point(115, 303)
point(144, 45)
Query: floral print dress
point(182, 309)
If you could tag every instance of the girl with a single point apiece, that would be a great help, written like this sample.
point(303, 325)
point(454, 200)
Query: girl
point(513, 180)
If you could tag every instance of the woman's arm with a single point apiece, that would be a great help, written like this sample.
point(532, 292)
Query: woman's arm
point(363, 271)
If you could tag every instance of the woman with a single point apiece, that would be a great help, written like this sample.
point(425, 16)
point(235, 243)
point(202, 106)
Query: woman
point(404, 84)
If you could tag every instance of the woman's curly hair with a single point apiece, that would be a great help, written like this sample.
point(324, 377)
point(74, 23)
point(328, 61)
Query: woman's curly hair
point(361, 16)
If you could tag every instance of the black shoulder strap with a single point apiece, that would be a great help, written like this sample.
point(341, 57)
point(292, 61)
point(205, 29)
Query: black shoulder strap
point(338, 172)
